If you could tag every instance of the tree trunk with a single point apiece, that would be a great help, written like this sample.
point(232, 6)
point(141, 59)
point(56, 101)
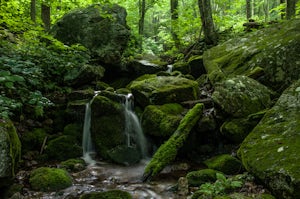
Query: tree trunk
point(46, 16)
point(174, 22)
point(142, 12)
point(290, 9)
point(266, 10)
point(248, 9)
point(210, 33)
point(282, 11)
point(33, 10)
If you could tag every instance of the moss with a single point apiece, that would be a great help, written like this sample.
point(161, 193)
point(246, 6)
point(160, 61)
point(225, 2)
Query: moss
point(73, 164)
point(49, 179)
point(33, 140)
point(112, 194)
point(224, 163)
point(63, 147)
point(74, 130)
point(197, 178)
point(8, 130)
point(163, 90)
point(168, 151)
point(161, 120)
point(271, 150)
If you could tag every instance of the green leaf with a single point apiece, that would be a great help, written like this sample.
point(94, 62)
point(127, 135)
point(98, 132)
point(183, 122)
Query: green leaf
point(9, 85)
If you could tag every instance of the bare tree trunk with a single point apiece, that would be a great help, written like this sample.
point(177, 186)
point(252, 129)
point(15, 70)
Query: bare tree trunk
point(266, 10)
point(282, 11)
point(46, 16)
point(142, 13)
point(248, 9)
point(174, 22)
point(210, 33)
point(290, 9)
point(33, 10)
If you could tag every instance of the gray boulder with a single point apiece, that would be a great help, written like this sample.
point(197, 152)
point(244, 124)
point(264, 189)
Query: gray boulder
point(100, 27)
point(271, 150)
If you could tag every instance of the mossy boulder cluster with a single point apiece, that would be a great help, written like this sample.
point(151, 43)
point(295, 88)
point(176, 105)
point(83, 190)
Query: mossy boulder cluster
point(270, 56)
point(271, 150)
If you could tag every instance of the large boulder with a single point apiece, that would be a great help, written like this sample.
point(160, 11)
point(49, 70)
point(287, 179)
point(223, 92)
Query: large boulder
point(100, 27)
point(241, 96)
point(270, 55)
point(164, 89)
point(161, 120)
point(271, 150)
point(10, 151)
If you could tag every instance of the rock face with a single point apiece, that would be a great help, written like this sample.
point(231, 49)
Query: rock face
point(164, 89)
point(240, 96)
point(261, 55)
point(100, 28)
point(271, 150)
point(10, 151)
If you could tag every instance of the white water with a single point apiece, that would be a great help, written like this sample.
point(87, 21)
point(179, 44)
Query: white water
point(133, 129)
point(87, 145)
point(170, 68)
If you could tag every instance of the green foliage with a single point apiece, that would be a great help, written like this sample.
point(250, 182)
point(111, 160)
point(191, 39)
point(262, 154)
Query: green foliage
point(222, 186)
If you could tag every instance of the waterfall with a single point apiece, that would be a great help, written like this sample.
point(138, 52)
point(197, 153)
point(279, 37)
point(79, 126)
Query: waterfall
point(87, 145)
point(133, 130)
point(170, 68)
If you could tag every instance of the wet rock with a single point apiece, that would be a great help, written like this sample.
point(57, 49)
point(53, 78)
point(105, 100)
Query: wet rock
point(196, 66)
point(224, 163)
point(161, 120)
point(270, 55)
point(138, 68)
point(163, 90)
point(49, 179)
point(197, 178)
point(183, 186)
point(63, 148)
point(100, 27)
point(241, 96)
point(107, 194)
point(74, 165)
point(271, 151)
point(124, 155)
point(10, 151)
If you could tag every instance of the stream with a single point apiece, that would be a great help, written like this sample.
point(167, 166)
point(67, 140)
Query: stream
point(105, 176)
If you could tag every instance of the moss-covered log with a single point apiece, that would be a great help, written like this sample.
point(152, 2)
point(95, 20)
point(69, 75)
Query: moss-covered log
point(168, 151)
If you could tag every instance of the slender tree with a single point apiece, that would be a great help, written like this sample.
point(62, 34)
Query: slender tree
point(33, 10)
point(266, 10)
point(174, 22)
point(290, 9)
point(248, 9)
point(208, 26)
point(142, 13)
point(45, 15)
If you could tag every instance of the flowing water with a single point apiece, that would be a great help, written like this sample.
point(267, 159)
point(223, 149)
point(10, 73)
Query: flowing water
point(133, 129)
point(170, 68)
point(87, 146)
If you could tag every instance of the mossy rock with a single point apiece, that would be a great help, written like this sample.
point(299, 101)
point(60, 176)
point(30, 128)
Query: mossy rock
point(237, 129)
point(49, 179)
point(164, 89)
point(62, 148)
point(225, 163)
point(270, 55)
point(196, 65)
point(271, 151)
point(125, 155)
point(182, 67)
point(112, 194)
point(241, 96)
point(74, 130)
point(197, 178)
point(33, 140)
point(161, 120)
point(73, 164)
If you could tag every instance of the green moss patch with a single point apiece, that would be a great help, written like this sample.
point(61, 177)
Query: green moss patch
point(224, 163)
point(49, 179)
point(113, 194)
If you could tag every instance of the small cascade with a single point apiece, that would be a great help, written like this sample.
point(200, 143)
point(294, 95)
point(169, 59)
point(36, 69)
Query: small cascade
point(170, 68)
point(87, 145)
point(133, 129)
